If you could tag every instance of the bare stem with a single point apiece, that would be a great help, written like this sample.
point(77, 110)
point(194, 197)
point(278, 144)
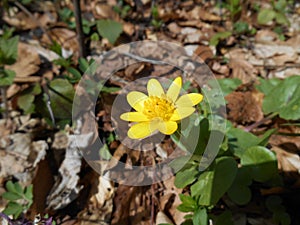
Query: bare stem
point(80, 36)
point(4, 101)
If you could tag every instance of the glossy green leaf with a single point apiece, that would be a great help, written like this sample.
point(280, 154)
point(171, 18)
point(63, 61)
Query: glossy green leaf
point(212, 185)
point(261, 162)
point(109, 29)
point(186, 177)
point(188, 203)
point(284, 98)
point(240, 140)
point(228, 85)
point(266, 85)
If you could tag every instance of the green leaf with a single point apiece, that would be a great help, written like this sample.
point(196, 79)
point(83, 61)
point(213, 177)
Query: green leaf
point(214, 41)
point(240, 140)
point(284, 98)
point(261, 162)
point(6, 77)
point(11, 196)
point(83, 64)
point(61, 96)
point(241, 27)
point(266, 85)
point(239, 192)
point(186, 177)
point(105, 153)
point(29, 192)
point(76, 75)
point(109, 29)
point(265, 16)
point(228, 85)
point(200, 217)
point(25, 102)
point(211, 185)
point(10, 187)
point(13, 208)
point(188, 203)
point(18, 188)
point(281, 18)
point(9, 50)
point(224, 219)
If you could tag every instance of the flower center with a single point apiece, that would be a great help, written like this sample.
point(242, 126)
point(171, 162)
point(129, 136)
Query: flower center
point(158, 107)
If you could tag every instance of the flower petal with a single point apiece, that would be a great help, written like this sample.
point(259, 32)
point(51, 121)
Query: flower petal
point(154, 88)
point(174, 89)
point(167, 127)
point(181, 113)
point(189, 100)
point(140, 130)
point(134, 117)
point(136, 100)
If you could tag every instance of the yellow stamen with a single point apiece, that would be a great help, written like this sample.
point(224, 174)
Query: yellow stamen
point(158, 107)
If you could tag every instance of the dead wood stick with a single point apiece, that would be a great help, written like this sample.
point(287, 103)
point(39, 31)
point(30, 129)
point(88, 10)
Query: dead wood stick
point(79, 30)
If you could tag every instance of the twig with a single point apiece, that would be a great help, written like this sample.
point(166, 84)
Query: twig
point(78, 20)
point(260, 122)
point(48, 103)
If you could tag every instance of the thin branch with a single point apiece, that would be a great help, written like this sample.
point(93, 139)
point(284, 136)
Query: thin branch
point(80, 35)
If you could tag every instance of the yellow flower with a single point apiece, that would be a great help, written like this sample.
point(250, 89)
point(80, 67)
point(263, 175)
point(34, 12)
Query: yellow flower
point(159, 110)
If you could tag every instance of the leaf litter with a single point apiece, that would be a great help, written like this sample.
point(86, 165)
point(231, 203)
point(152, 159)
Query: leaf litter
point(27, 142)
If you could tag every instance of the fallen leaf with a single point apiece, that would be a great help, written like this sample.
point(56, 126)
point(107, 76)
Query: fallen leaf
point(28, 61)
point(243, 108)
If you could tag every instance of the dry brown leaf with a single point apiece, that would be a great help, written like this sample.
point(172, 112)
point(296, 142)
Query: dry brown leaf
point(243, 70)
point(265, 36)
point(104, 11)
point(287, 161)
point(27, 63)
point(162, 218)
point(22, 21)
point(199, 13)
point(169, 201)
point(65, 37)
point(243, 108)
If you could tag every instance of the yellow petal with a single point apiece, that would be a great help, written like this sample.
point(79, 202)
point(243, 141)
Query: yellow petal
point(181, 113)
point(134, 117)
point(136, 100)
point(140, 130)
point(189, 100)
point(167, 127)
point(154, 88)
point(174, 89)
